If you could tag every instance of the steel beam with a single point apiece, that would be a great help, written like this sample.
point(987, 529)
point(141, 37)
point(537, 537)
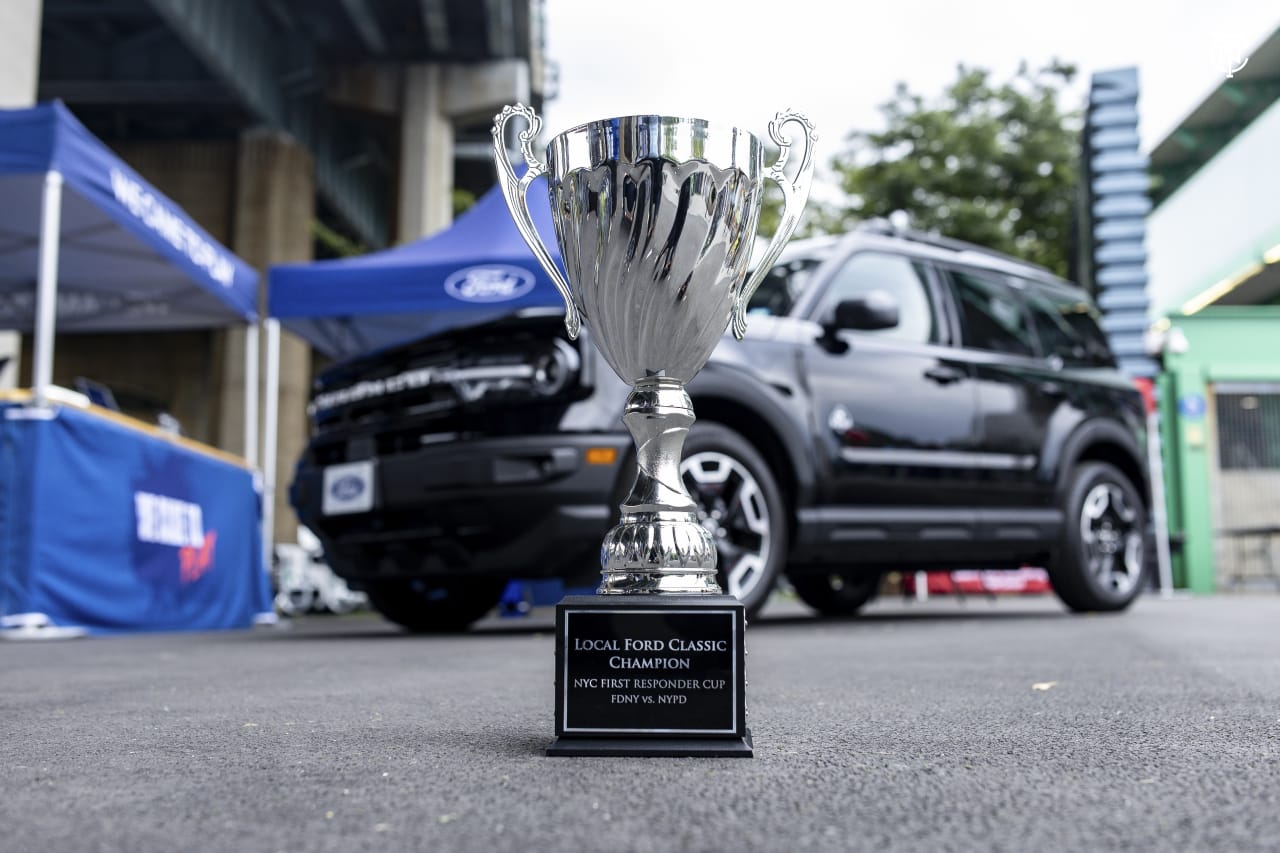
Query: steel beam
point(366, 24)
point(435, 23)
point(113, 92)
point(500, 28)
point(237, 45)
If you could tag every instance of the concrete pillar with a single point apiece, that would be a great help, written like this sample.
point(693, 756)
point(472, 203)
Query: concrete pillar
point(434, 97)
point(274, 206)
point(19, 74)
point(200, 178)
point(19, 52)
point(426, 154)
point(153, 371)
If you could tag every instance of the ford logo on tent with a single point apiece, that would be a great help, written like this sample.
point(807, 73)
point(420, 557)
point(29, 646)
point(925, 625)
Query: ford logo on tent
point(347, 488)
point(489, 283)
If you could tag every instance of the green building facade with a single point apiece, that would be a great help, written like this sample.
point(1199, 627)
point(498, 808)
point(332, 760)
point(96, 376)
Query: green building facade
point(1220, 417)
point(1214, 259)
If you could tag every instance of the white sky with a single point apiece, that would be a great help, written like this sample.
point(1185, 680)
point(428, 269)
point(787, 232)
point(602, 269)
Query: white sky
point(740, 61)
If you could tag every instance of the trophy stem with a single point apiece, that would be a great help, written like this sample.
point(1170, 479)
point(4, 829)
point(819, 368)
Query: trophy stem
point(658, 546)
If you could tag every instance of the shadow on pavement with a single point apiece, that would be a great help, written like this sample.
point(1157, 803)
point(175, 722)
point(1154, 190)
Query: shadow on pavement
point(766, 623)
point(777, 615)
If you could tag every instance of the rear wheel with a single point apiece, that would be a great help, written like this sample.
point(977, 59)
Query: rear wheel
point(836, 593)
point(1100, 562)
point(740, 504)
point(425, 607)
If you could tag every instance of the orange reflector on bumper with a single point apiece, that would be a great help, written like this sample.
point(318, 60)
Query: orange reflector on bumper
point(602, 455)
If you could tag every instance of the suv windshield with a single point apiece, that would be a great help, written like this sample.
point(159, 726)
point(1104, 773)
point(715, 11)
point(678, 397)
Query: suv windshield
point(779, 289)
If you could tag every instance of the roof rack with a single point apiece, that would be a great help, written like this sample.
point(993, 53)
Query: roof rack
point(882, 226)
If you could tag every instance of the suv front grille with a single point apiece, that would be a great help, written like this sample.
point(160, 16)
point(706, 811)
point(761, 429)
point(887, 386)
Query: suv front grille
point(506, 379)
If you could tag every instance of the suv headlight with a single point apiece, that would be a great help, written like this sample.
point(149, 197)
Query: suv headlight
point(543, 373)
point(537, 373)
point(554, 369)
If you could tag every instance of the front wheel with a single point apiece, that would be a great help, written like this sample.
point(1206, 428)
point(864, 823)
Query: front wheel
point(428, 607)
point(836, 593)
point(1099, 563)
point(740, 504)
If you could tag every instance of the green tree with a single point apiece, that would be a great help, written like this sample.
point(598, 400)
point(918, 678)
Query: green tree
point(992, 163)
point(814, 219)
point(462, 201)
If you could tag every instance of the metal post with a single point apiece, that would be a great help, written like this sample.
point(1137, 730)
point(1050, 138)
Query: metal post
point(270, 424)
point(47, 285)
point(251, 347)
point(1159, 517)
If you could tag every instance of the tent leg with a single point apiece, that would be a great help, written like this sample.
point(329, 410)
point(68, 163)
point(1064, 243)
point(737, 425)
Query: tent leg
point(251, 349)
point(47, 285)
point(270, 427)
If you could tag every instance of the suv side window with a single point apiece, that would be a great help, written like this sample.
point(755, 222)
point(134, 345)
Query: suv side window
point(991, 313)
point(1067, 326)
point(1056, 337)
point(899, 276)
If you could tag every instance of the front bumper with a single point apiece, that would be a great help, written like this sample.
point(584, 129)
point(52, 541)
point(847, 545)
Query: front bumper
point(512, 507)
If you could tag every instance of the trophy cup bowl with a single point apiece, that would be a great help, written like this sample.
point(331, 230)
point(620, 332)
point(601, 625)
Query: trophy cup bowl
point(655, 217)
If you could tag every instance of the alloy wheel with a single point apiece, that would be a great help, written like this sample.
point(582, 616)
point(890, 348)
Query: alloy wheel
point(732, 508)
point(1111, 538)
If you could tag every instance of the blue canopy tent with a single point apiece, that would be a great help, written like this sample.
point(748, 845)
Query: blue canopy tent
point(87, 245)
point(107, 249)
point(477, 269)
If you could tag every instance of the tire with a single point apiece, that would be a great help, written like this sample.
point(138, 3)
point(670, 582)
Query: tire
point(836, 593)
point(740, 503)
point(1099, 564)
point(425, 607)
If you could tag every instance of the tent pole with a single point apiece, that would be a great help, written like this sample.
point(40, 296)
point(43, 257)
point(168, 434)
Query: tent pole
point(269, 428)
point(47, 285)
point(251, 347)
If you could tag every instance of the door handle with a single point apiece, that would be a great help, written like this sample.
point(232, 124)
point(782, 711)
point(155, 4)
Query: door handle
point(943, 375)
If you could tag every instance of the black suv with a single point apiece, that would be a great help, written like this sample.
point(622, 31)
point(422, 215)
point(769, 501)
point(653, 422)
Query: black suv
point(901, 401)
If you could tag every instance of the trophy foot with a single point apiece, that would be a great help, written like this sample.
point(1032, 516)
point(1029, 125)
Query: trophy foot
point(656, 553)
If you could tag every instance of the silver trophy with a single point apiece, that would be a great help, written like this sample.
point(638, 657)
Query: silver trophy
point(656, 218)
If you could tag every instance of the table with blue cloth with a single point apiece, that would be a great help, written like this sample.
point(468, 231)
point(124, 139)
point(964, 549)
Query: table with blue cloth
point(110, 525)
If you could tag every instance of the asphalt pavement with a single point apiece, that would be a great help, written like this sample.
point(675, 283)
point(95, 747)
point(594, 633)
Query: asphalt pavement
point(976, 725)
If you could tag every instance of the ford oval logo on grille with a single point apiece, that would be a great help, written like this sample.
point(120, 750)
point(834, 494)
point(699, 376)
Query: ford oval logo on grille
point(347, 488)
point(489, 283)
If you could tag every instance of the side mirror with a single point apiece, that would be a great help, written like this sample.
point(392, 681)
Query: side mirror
point(875, 309)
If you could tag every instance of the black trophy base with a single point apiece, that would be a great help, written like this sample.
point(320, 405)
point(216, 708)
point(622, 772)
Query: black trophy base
point(676, 747)
point(651, 675)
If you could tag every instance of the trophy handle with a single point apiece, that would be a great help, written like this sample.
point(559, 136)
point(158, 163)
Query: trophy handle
point(794, 194)
point(515, 191)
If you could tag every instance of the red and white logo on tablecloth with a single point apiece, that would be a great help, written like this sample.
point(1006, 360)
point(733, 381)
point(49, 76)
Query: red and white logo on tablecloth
point(163, 520)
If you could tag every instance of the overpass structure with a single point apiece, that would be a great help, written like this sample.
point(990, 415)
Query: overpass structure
point(374, 90)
